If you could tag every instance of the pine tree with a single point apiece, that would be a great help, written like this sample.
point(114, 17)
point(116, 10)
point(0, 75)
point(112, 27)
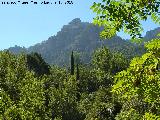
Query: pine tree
point(72, 64)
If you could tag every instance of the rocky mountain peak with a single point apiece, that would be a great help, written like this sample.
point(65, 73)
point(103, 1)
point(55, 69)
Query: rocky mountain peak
point(75, 21)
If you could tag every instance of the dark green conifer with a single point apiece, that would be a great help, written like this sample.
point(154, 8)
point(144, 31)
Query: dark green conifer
point(72, 64)
point(78, 95)
point(77, 75)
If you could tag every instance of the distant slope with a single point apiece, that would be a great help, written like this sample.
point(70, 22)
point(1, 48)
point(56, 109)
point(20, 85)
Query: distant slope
point(152, 34)
point(17, 49)
point(82, 37)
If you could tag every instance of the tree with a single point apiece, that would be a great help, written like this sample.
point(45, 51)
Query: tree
point(72, 64)
point(77, 72)
point(64, 100)
point(116, 15)
point(99, 105)
point(102, 59)
point(110, 62)
point(138, 87)
point(22, 94)
point(36, 63)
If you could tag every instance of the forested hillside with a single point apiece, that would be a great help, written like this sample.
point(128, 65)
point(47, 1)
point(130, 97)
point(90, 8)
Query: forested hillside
point(82, 37)
point(32, 89)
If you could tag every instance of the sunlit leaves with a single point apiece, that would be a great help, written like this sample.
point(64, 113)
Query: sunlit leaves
point(31, 95)
point(150, 116)
point(141, 81)
point(131, 114)
point(155, 18)
point(154, 45)
point(22, 94)
point(127, 13)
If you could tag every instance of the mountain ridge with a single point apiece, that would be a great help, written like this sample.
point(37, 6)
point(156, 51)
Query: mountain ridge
point(82, 37)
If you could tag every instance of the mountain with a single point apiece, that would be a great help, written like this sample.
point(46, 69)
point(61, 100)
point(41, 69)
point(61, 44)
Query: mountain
point(152, 34)
point(17, 49)
point(82, 37)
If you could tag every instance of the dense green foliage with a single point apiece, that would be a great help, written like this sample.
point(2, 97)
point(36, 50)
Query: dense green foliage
point(138, 87)
point(109, 62)
point(58, 95)
point(110, 88)
point(116, 15)
point(21, 93)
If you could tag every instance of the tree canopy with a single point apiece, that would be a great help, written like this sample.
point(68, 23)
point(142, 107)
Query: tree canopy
point(126, 15)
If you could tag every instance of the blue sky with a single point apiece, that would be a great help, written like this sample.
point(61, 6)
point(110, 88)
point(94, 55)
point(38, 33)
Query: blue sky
point(26, 25)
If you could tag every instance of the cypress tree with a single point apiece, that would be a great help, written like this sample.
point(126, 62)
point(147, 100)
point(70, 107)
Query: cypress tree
point(77, 75)
point(78, 95)
point(72, 64)
point(158, 67)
